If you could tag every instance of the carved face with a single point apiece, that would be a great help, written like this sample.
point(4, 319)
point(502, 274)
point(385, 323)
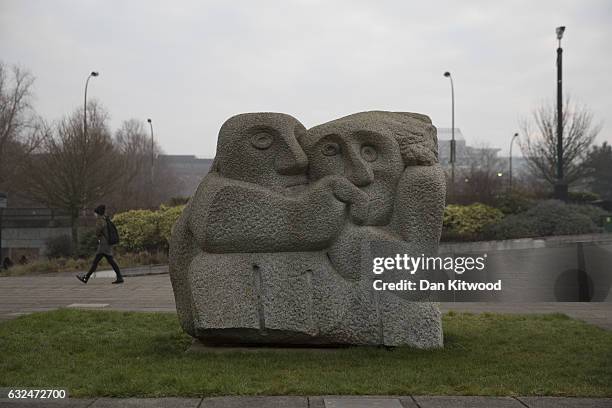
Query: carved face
point(262, 148)
point(367, 155)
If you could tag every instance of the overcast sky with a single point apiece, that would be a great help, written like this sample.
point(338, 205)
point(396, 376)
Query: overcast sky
point(189, 65)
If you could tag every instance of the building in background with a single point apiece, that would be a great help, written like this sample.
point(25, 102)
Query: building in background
point(188, 169)
point(444, 142)
point(465, 155)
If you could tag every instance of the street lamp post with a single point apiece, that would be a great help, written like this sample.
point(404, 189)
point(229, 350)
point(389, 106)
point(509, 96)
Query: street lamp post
point(92, 74)
point(152, 158)
point(560, 186)
point(510, 161)
point(452, 143)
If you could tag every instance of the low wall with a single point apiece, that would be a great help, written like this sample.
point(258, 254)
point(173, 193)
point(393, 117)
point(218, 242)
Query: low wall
point(523, 243)
point(572, 268)
point(29, 242)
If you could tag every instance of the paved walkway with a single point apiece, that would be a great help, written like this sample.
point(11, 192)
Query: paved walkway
point(153, 293)
point(26, 294)
point(323, 402)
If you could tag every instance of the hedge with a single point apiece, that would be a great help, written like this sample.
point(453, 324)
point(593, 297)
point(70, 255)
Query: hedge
point(146, 230)
point(469, 219)
point(549, 217)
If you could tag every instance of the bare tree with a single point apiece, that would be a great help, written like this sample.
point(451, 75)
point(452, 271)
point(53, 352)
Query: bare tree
point(74, 170)
point(21, 130)
point(539, 144)
point(147, 182)
point(132, 142)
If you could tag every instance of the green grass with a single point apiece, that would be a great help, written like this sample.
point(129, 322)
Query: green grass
point(103, 353)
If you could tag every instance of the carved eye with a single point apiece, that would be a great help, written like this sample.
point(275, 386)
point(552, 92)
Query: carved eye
point(261, 140)
point(330, 149)
point(369, 153)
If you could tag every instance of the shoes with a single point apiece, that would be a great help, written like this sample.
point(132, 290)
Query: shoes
point(118, 281)
point(82, 278)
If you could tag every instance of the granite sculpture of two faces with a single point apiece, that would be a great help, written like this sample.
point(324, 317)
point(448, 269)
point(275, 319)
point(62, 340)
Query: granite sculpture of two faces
point(270, 248)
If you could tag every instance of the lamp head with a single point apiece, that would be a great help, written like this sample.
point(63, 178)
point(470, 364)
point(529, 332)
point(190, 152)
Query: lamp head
point(94, 73)
point(447, 74)
point(560, 31)
point(149, 120)
point(516, 135)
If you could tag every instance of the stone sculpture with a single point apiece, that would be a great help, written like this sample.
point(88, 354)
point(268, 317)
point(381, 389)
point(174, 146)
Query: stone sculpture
point(269, 250)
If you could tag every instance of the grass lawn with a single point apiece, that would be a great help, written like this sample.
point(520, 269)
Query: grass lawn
point(105, 353)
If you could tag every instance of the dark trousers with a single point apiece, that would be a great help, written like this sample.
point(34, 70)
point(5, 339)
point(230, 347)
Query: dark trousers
point(110, 260)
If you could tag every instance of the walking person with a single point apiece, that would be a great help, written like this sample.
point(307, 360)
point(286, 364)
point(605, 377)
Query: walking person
point(105, 242)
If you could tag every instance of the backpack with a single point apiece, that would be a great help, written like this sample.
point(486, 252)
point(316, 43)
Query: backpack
point(113, 234)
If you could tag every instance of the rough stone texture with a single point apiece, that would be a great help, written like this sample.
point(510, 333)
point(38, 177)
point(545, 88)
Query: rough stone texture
point(274, 246)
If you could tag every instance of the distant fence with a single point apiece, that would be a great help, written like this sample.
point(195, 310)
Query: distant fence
point(25, 231)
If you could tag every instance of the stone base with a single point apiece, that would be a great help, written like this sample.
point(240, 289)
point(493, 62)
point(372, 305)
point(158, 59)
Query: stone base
point(198, 347)
point(293, 299)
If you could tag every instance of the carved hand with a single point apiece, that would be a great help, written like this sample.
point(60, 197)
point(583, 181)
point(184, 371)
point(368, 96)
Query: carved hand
point(345, 192)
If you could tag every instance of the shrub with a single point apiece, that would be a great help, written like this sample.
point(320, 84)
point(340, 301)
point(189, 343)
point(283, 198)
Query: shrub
point(138, 230)
point(582, 197)
point(514, 203)
point(169, 216)
point(59, 246)
point(549, 217)
point(596, 214)
point(88, 243)
point(146, 230)
point(469, 219)
point(511, 227)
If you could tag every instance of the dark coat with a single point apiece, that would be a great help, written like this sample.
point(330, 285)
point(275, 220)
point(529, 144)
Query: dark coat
point(102, 234)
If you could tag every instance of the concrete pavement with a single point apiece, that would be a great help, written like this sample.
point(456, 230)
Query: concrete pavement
point(26, 294)
point(153, 293)
point(322, 402)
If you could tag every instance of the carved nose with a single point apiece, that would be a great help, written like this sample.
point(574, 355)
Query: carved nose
point(359, 173)
point(291, 160)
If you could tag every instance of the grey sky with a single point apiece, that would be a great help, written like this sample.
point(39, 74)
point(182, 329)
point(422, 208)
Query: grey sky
point(190, 65)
